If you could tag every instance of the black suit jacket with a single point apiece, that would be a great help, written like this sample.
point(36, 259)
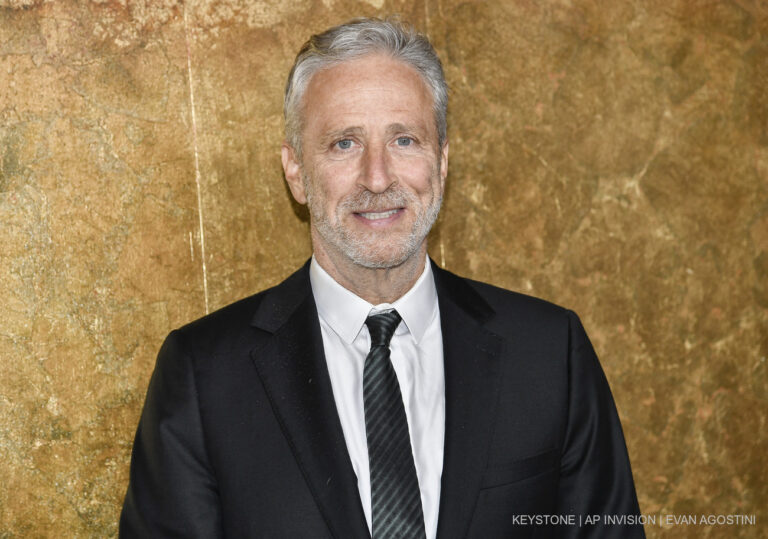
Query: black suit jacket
point(239, 436)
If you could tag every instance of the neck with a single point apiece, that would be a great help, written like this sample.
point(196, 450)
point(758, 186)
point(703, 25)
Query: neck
point(374, 285)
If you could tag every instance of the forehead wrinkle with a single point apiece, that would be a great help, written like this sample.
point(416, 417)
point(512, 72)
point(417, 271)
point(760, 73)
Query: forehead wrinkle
point(367, 103)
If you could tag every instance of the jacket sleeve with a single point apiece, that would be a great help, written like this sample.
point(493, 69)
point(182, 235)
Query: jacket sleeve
point(172, 488)
point(595, 474)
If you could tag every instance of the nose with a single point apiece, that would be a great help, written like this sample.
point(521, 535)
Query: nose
point(376, 174)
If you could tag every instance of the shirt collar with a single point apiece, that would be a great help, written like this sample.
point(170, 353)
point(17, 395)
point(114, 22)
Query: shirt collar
point(346, 312)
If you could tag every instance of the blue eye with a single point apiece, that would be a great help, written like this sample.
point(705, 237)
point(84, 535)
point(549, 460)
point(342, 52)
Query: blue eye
point(404, 141)
point(345, 144)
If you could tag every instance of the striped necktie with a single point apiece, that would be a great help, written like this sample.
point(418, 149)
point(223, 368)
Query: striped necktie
point(395, 497)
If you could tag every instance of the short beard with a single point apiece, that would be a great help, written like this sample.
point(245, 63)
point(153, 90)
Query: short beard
point(368, 250)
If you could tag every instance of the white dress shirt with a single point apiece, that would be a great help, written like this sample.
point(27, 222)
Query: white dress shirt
point(417, 357)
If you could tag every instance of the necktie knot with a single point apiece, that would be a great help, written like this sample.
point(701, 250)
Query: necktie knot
point(382, 326)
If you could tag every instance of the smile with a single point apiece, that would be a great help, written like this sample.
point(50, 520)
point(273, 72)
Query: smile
point(374, 216)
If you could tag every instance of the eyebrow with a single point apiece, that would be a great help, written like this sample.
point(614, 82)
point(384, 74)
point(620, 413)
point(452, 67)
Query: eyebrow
point(400, 128)
point(421, 131)
point(343, 132)
point(355, 130)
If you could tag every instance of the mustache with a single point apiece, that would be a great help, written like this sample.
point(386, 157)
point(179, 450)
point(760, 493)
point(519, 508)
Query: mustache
point(367, 201)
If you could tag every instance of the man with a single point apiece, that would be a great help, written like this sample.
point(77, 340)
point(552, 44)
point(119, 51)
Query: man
point(372, 393)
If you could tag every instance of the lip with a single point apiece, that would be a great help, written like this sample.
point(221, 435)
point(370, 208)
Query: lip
point(379, 218)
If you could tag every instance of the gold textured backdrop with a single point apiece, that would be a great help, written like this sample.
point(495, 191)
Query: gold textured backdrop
point(611, 156)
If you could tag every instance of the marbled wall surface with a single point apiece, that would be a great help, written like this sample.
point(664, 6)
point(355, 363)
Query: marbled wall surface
point(611, 156)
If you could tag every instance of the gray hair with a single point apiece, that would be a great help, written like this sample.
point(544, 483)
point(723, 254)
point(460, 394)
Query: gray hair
point(356, 38)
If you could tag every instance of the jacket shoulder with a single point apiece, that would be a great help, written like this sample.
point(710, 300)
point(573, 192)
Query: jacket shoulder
point(524, 315)
point(499, 305)
point(504, 300)
point(228, 326)
point(236, 315)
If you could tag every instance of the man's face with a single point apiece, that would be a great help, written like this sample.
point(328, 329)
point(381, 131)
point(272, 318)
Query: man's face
point(371, 169)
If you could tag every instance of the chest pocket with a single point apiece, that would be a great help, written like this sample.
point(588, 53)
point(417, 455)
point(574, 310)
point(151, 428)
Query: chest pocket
point(521, 469)
point(525, 486)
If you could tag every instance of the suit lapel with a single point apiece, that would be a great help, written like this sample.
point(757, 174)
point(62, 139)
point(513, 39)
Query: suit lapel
point(292, 368)
point(471, 354)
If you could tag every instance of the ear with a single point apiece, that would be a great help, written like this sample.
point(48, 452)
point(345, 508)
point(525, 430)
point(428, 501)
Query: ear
point(292, 170)
point(443, 165)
